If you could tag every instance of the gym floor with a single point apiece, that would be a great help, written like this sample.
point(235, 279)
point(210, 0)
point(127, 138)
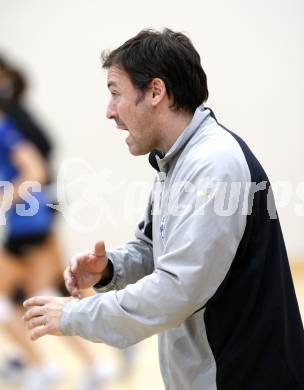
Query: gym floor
point(145, 372)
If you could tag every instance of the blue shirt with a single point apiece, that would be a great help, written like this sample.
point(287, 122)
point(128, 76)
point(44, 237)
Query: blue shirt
point(19, 225)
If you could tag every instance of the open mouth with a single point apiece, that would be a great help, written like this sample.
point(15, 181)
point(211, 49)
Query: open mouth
point(120, 125)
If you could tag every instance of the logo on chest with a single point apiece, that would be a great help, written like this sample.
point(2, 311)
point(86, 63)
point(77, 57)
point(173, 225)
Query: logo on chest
point(162, 228)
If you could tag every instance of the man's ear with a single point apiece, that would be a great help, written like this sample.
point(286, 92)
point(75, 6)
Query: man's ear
point(158, 91)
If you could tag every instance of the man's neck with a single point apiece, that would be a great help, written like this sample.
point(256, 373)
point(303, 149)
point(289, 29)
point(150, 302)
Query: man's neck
point(174, 124)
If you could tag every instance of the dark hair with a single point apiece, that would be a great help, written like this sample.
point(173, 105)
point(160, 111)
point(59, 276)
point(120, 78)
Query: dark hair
point(167, 55)
point(13, 108)
point(17, 77)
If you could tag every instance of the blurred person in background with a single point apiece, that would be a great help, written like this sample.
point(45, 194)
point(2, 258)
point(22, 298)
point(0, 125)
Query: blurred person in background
point(25, 236)
point(30, 260)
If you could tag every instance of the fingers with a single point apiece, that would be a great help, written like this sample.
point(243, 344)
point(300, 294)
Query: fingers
point(84, 269)
point(75, 292)
point(38, 332)
point(75, 263)
point(100, 249)
point(43, 320)
point(36, 301)
point(37, 321)
point(35, 311)
point(71, 283)
point(79, 261)
point(67, 276)
point(38, 327)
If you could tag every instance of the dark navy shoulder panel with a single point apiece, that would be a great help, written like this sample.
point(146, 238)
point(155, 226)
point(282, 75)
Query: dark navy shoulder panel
point(253, 322)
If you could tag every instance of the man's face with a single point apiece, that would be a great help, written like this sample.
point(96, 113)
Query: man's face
point(132, 112)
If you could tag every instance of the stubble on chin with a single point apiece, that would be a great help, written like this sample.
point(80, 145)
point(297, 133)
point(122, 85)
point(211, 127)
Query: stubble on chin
point(136, 150)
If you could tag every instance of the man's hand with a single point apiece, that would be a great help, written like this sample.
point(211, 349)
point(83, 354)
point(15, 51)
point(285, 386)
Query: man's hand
point(43, 315)
point(86, 269)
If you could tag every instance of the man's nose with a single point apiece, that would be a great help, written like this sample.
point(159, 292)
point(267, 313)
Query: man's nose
point(111, 112)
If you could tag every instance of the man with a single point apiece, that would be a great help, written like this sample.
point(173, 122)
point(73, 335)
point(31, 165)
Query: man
point(212, 281)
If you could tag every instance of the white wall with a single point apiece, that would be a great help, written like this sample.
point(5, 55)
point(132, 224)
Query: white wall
point(252, 53)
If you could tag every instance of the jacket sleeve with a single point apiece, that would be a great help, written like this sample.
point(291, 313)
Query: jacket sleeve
point(199, 246)
point(134, 260)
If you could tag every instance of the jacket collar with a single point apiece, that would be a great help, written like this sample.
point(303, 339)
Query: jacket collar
point(159, 161)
